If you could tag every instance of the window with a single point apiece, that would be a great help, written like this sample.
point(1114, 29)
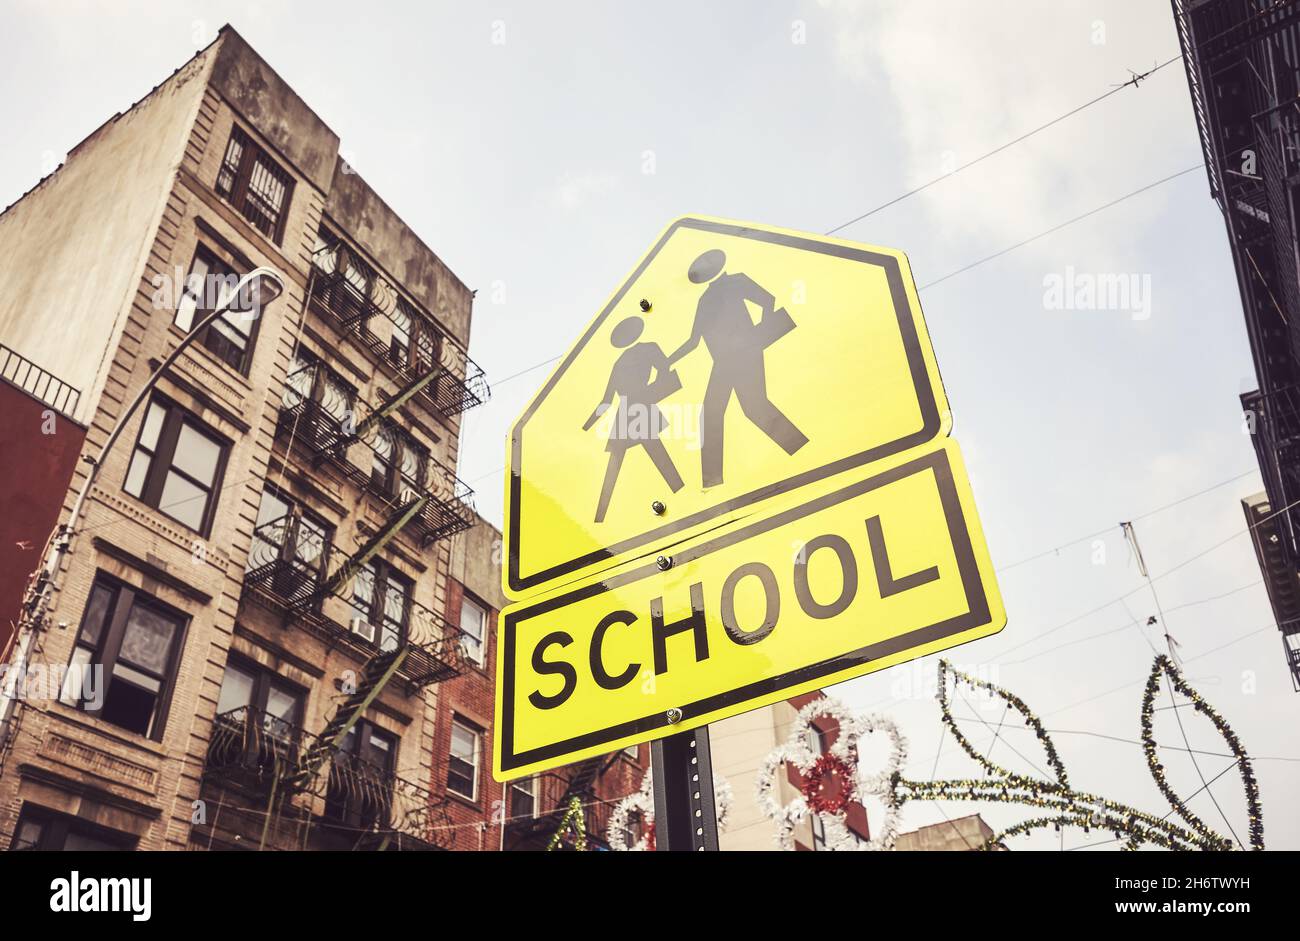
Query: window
point(399, 347)
point(255, 185)
point(360, 790)
point(210, 284)
point(397, 467)
point(818, 832)
point(633, 752)
point(473, 625)
point(310, 380)
point(45, 830)
point(523, 799)
point(818, 740)
point(252, 690)
point(176, 466)
point(125, 658)
point(462, 768)
point(285, 532)
point(381, 596)
point(428, 343)
point(258, 720)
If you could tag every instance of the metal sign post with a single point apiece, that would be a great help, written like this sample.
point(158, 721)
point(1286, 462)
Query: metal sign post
point(686, 819)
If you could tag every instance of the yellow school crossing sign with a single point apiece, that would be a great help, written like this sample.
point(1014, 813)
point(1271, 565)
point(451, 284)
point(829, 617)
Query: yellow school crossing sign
point(735, 487)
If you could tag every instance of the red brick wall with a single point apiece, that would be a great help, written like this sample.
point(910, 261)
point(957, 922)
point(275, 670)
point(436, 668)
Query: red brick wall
point(477, 825)
point(35, 470)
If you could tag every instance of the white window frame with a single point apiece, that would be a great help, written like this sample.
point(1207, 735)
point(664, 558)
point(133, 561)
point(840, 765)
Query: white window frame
point(477, 758)
point(529, 786)
point(483, 628)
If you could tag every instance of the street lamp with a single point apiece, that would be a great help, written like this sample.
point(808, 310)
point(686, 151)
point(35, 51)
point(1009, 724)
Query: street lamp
point(248, 298)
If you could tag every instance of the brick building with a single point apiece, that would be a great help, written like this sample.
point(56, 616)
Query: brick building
point(521, 815)
point(257, 589)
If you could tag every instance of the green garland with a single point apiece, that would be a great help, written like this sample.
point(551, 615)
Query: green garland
point(573, 819)
point(1069, 807)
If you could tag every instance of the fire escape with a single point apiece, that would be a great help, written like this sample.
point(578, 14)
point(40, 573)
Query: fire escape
point(1243, 71)
point(294, 570)
point(551, 797)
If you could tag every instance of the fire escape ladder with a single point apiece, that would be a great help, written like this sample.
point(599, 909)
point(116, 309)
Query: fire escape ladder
point(583, 779)
point(397, 400)
point(345, 572)
point(376, 674)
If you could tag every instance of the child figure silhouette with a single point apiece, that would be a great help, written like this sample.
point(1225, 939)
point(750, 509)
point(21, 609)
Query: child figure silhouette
point(641, 377)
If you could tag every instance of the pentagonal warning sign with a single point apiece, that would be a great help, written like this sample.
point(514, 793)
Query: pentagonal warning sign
point(736, 363)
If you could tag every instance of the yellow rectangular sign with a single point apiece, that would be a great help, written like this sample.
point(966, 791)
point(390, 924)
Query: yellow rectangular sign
point(869, 569)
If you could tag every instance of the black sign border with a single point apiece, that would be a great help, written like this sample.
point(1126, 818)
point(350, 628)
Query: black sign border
point(930, 425)
point(977, 614)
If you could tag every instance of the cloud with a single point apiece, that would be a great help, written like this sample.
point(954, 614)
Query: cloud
point(573, 191)
point(962, 78)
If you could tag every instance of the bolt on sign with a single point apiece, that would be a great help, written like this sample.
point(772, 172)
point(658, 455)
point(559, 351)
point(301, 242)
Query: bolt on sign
point(736, 487)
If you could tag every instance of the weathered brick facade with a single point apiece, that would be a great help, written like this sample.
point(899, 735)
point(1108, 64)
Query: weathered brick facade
point(161, 161)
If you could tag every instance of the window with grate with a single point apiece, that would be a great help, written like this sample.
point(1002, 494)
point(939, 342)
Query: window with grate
point(257, 186)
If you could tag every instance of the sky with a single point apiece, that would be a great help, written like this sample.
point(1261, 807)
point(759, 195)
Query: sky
point(539, 148)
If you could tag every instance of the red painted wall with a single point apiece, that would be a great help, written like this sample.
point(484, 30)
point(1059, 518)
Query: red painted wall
point(35, 470)
point(471, 696)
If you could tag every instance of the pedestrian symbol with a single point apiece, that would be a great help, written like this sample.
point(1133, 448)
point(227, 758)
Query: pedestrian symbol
point(736, 344)
point(737, 363)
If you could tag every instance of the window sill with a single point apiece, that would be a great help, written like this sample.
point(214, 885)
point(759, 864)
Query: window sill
point(74, 716)
point(201, 352)
point(462, 799)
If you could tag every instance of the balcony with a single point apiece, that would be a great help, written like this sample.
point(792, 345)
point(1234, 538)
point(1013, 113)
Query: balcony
point(288, 572)
point(1276, 417)
point(320, 427)
point(351, 804)
point(369, 807)
point(530, 823)
point(357, 301)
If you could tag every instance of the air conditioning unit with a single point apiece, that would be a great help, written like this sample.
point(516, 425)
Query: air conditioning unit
point(363, 628)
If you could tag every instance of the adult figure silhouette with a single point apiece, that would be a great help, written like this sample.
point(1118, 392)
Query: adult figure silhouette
point(640, 378)
point(736, 343)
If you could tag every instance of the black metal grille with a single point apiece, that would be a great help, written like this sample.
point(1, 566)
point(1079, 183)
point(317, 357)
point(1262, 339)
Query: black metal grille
point(254, 184)
point(351, 294)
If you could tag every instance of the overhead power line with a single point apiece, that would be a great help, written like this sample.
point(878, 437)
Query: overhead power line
point(1056, 228)
point(1132, 82)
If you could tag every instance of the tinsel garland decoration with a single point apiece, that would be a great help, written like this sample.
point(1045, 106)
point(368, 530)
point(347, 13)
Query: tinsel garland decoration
point(574, 822)
point(842, 757)
point(642, 803)
point(823, 799)
point(1069, 807)
point(1163, 666)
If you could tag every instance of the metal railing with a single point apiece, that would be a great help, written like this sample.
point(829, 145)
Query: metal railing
point(325, 430)
point(531, 829)
point(287, 568)
point(372, 806)
point(1276, 419)
point(354, 296)
point(18, 370)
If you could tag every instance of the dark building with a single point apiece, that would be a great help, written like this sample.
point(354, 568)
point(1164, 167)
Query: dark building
point(1243, 71)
